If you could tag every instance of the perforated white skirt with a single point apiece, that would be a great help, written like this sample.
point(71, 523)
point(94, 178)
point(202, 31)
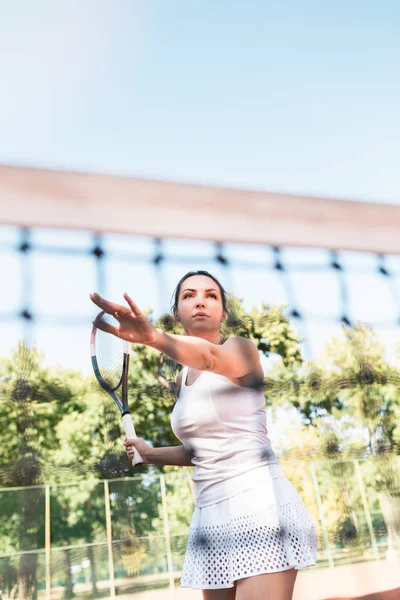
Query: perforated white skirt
point(262, 530)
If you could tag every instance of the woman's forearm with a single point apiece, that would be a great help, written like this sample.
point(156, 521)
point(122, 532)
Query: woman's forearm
point(170, 455)
point(186, 350)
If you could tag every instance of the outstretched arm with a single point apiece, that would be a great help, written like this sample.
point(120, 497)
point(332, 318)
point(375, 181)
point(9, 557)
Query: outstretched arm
point(237, 358)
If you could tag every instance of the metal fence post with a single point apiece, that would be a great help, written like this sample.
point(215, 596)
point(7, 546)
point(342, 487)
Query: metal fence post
point(366, 508)
point(109, 539)
point(167, 532)
point(47, 540)
point(321, 515)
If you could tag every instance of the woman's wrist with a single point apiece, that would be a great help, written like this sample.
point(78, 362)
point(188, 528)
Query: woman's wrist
point(151, 455)
point(158, 341)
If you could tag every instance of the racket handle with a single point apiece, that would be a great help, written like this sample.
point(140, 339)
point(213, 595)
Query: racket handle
point(131, 434)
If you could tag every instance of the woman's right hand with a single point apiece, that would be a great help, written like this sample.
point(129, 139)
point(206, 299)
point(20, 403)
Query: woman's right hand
point(140, 446)
point(133, 327)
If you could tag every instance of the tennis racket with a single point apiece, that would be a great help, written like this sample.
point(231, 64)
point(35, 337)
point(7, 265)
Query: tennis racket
point(110, 362)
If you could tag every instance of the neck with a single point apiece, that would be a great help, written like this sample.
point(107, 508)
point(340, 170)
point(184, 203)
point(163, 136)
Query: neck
point(211, 336)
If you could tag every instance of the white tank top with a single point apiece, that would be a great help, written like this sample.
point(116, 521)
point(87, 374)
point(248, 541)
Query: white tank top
point(224, 427)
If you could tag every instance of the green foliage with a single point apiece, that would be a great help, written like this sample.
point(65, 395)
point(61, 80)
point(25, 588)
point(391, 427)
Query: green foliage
point(268, 328)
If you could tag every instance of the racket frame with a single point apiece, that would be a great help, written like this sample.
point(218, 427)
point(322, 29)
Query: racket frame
point(122, 404)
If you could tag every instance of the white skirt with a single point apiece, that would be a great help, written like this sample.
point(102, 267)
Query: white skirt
point(262, 530)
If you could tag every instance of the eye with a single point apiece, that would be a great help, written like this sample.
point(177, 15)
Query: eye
point(187, 296)
point(213, 296)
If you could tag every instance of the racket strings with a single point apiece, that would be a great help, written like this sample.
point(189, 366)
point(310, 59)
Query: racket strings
point(109, 354)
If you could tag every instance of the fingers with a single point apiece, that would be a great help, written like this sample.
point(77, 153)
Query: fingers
point(107, 327)
point(130, 442)
point(109, 307)
point(133, 446)
point(130, 447)
point(132, 305)
point(114, 309)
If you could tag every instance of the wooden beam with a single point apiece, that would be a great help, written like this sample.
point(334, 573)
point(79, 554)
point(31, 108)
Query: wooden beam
point(104, 203)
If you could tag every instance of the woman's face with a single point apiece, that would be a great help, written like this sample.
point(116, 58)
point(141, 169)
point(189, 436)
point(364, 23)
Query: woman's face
point(200, 306)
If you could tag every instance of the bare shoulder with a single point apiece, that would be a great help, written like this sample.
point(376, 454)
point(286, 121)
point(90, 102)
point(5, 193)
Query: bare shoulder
point(236, 359)
point(242, 344)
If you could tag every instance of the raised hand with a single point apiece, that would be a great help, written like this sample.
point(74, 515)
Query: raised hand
point(133, 325)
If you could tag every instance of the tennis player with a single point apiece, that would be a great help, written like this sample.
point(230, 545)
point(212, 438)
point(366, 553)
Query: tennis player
point(250, 531)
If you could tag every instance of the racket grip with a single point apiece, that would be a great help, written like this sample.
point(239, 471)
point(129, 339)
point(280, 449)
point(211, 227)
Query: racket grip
point(131, 434)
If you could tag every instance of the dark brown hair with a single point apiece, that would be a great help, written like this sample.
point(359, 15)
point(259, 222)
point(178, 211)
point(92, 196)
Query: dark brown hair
point(175, 295)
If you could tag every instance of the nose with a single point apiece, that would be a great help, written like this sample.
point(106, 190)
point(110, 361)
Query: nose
point(200, 303)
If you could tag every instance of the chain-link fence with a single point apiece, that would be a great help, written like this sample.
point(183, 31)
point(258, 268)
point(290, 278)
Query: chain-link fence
point(113, 537)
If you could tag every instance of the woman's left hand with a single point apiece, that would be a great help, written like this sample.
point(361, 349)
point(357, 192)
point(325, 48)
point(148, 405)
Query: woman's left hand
point(133, 325)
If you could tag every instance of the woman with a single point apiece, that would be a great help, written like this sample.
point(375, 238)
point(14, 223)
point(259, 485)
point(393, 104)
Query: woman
point(250, 531)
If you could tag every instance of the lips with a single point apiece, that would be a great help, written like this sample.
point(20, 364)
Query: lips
point(200, 314)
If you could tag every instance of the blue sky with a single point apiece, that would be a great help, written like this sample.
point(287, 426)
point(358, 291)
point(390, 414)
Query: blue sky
point(295, 96)
point(289, 96)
